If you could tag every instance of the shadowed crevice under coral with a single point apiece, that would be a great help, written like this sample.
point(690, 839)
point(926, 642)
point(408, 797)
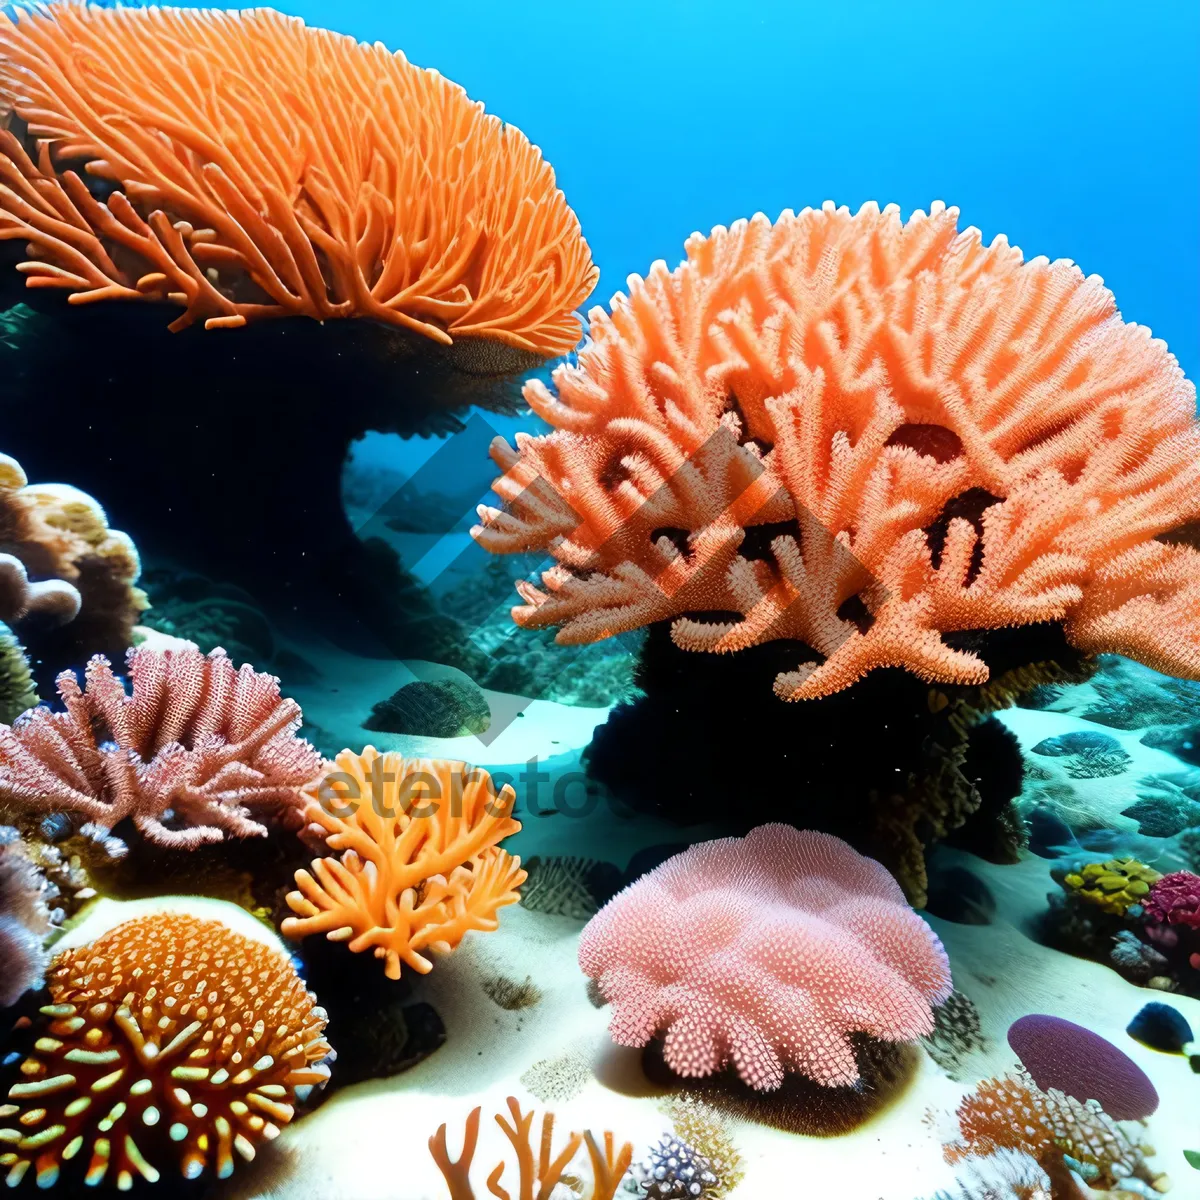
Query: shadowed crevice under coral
point(239, 437)
point(885, 764)
point(801, 1105)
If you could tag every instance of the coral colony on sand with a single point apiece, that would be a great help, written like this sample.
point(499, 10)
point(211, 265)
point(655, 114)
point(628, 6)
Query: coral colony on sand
point(764, 953)
point(170, 1043)
point(860, 483)
point(406, 881)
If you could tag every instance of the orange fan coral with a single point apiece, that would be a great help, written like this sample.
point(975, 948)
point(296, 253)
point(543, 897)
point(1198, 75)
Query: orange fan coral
point(608, 1165)
point(419, 864)
point(195, 753)
point(863, 435)
point(261, 168)
point(170, 1038)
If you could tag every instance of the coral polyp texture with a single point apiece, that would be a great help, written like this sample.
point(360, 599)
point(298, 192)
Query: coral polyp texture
point(1011, 1114)
point(196, 750)
point(76, 570)
point(276, 170)
point(1175, 899)
point(550, 1170)
point(867, 436)
point(765, 952)
point(418, 864)
point(170, 1040)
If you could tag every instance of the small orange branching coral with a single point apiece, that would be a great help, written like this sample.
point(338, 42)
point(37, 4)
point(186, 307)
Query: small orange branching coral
point(419, 867)
point(261, 168)
point(862, 434)
point(540, 1175)
point(170, 1039)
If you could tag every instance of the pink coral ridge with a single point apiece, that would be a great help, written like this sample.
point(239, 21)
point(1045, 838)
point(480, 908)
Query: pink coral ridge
point(1175, 900)
point(212, 746)
point(765, 952)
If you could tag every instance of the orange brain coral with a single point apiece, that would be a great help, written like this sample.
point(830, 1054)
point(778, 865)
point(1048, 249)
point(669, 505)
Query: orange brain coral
point(171, 1039)
point(419, 865)
point(262, 168)
point(862, 434)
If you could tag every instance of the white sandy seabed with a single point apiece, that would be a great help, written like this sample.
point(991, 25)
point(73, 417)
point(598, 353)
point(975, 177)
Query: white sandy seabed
point(369, 1142)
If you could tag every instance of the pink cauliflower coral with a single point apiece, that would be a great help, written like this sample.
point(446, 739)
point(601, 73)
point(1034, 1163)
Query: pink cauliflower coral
point(1175, 900)
point(765, 952)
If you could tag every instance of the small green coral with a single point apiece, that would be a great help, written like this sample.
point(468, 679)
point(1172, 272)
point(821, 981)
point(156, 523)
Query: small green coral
point(17, 691)
point(1114, 886)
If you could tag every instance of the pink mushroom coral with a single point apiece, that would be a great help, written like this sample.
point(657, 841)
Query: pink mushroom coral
point(765, 952)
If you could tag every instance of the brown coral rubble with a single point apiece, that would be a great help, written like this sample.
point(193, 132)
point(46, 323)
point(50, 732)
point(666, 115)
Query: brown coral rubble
point(542, 1170)
point(197, 751)
point(259, 168)
point(169, 1039)
point(863, 435)
point(418, 866)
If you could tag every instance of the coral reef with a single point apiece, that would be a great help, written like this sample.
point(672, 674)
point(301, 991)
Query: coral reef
point(1011, 1113)
point(24, 921)
point(707, 1131)
point(1004, 1174)
point(1060, 1055)
point(1113, 886)
point(169, 1039)
point(195, 752)
point(765, 953)
point(418, 862)
point(957, 1033)
point(18, 692)
point(85, 600)
point(865, 436)
point(607, 1163)
point(233, 229)
point(673, 1170)
point(1175, 899)
point(54, 599)
point(443, 708)
point(567, 886)
point(461, 282)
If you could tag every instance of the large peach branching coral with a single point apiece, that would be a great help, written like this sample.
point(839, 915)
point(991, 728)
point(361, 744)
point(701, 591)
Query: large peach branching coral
point(863, 435)
point(418, 866)
point(197, 750)
point(276, 170)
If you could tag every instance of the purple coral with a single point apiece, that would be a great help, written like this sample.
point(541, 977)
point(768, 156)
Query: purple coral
point(1060, 1054)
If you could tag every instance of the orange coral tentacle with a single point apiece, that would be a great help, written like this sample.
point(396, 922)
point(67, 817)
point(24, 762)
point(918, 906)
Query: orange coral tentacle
point(278, 170)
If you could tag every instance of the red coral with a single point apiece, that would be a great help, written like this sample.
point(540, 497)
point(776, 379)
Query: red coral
point(1175, 900)
point(196, 743)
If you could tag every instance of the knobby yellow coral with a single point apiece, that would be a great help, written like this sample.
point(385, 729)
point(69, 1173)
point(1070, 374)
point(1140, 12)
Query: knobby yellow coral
point(1113, 886)
point(419, 863)
point(169, 1038)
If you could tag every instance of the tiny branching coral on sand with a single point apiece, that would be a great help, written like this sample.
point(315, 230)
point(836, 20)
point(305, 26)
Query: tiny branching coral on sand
point(168, 1040)
point(862, 435)
point(418, 863)
point(542, 1169)
point(194, 752)
point(276, 170)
